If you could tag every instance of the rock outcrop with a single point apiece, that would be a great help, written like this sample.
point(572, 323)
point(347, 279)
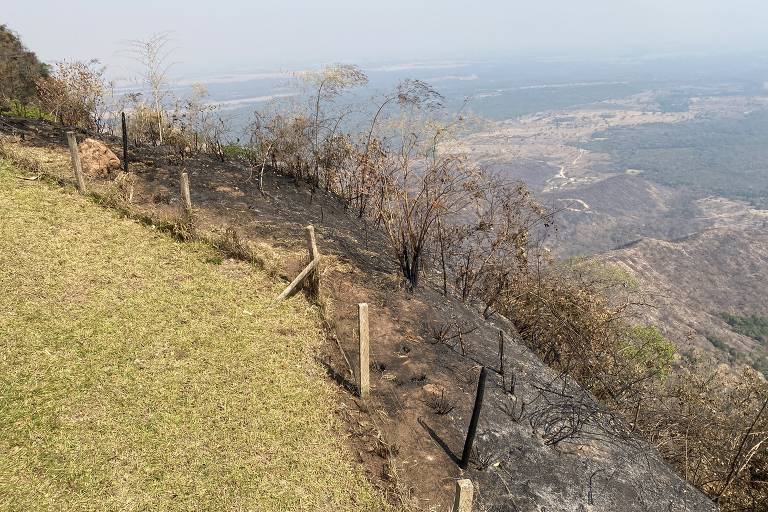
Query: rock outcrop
point(97, 159)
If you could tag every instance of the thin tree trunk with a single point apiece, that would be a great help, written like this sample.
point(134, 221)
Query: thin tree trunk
point(442, 256)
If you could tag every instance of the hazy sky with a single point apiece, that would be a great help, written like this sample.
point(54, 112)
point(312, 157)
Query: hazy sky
point(228, 35)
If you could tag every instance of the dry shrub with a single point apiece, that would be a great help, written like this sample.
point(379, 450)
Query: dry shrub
point(75, 94)
point(162, 196)
point(185, 227)
point(404, 171)
point(262, 255)
point(26, 162)
point(452, 334)
point(143, 124)
point(233, 246)
point(578, 318)
point(268, 258)
point(43, 163)
point(489, 245)
point(121, 190)
point(711, 423)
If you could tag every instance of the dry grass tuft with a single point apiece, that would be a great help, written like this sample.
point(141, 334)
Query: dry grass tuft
point(230, 243)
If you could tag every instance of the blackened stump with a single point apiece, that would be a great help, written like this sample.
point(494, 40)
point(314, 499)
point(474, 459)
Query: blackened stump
point(125, 144)
point(473, 422)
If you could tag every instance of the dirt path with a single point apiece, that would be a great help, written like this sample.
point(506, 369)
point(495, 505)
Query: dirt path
point(560, 179)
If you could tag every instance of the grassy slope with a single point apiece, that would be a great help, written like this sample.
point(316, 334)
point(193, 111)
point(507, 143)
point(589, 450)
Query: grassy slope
point(135, 375)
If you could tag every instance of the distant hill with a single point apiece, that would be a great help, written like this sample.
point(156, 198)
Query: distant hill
point(695, 281)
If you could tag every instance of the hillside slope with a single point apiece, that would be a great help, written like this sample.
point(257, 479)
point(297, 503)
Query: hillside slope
point(693, 280)
point(141, 373)
point(409, 433)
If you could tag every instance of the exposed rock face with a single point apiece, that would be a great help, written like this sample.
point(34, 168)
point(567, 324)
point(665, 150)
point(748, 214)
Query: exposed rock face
point(97, 159)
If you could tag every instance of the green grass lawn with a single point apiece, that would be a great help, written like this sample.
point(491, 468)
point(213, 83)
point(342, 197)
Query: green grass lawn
point(137, 374)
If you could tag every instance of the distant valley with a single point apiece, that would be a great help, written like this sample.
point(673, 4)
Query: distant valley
point(676, 198)
point(658, 165)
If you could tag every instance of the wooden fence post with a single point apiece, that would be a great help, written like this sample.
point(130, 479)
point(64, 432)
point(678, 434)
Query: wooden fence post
point(311, 272)
point(125, 144)
point(185, 195)
point(475, 418)
point(363, 379)
point(311, 243)
point(78, 167)
point(464, 494)
point(313, 280)
point(297, 282)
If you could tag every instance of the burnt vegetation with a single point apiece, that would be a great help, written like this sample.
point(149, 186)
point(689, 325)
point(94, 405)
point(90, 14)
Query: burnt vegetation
point(456, 226)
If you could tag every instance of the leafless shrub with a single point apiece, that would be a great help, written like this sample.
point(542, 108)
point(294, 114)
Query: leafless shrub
point(452, 334)
point(440, 333)
point(487, 248)
point(75, 94)
point(405, 173)
point(514, 407)
point(482, 457)
point(328, 83)
point(440, 404)
point(152, 54)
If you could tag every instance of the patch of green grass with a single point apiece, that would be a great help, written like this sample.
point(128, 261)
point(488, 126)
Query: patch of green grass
point(135, 375)
point(20, 109)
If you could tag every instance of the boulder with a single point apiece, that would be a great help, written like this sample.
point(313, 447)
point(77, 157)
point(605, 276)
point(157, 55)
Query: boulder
point(97, 159)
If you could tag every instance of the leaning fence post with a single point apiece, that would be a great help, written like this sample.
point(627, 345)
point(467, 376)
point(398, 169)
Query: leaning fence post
point(78, 167)
point(363, 379)
point(473, 422)
point(464, 493)
point(297, 282)
point(185, 195)
point(310, 272)
point(125, 143)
